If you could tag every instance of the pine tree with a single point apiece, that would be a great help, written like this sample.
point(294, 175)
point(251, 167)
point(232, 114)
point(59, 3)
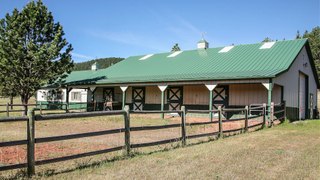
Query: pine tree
point(175, 48)
point(33, 51)
point(314, 41)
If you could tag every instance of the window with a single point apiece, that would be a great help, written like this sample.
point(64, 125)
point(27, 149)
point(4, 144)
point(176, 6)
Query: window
point(75, 96)
point(54, 95)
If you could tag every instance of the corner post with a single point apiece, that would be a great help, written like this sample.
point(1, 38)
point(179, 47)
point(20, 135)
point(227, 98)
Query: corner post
point(183, 125)
point(220, 122)
point(31, 142)
point(246, 119)
point(127, 130)
point(271, 114)
point(264, 115)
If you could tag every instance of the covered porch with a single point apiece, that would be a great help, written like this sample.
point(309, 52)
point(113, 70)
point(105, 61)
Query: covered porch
point(204, 95)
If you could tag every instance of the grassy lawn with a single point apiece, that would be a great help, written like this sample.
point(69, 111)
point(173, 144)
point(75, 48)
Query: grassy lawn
point(287, 151)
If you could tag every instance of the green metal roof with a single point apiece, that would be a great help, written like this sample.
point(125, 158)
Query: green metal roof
point(241, 62)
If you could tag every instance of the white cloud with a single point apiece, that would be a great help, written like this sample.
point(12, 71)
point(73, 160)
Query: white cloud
point(81, 56)
point(129, 38)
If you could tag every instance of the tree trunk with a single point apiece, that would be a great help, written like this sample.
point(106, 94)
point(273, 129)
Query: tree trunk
point(11, 102)
point(24, 101)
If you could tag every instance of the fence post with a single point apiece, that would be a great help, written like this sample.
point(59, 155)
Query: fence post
point(220, 122)
point(127, 129)
point(183, 125)
point(271, 114)
point(246, 119)
point(66, 107)
point(264, 115)
point(7, 109)
point(31, 142)
point(41, 108)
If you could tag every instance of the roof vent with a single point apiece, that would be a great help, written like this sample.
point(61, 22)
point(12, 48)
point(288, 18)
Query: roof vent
point(174, 54)
point(267, 45)
point(94, 66)
point(203, 44)
point(146, 57)
point(226, 49)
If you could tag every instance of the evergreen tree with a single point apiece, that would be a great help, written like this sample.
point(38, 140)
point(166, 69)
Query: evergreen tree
point(175, 48)
point(314, 41)
point(298, 36)
point(33, 51)
point(103, 63)
point(267, 39)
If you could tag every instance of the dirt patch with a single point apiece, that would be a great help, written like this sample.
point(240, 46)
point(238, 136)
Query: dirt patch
point(17, 154)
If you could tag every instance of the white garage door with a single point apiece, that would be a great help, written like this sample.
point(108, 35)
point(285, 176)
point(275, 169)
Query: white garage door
point(302, 96)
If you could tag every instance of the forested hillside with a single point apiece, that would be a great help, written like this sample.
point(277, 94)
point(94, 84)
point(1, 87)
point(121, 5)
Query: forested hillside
point(102, 62)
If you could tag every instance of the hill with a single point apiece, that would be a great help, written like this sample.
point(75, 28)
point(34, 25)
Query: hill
point(102, 62)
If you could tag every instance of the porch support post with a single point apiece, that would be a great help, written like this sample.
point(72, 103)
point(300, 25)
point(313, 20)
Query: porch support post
point(123, 88)
point(68, 90)
point(211, 88)
point(269, 87)
point(162, 89)
point(93, 90)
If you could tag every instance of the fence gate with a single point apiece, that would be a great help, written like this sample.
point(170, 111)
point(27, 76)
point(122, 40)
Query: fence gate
point(175, 98)
point(220, 97)
point(138, 98)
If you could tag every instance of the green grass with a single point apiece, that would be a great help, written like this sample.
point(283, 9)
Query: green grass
point(287, 151)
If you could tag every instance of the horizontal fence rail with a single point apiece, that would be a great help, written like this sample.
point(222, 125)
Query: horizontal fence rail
point(221, 119)
point(31, 140)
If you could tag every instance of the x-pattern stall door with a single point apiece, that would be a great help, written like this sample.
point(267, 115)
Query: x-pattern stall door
point(108, 94)
point(175, 98)
point(138, 98)
point(220, 97)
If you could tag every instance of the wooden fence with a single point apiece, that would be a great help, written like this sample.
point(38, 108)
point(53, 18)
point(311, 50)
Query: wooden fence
point(42, 107)
point(31, 140)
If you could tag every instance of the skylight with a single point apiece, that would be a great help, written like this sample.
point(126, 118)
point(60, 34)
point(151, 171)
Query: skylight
point(226, 49)
point(146, 57)
point(267, 45)
point(175, 54)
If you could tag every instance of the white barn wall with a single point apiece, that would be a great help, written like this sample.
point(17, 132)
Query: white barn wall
point(290, 80)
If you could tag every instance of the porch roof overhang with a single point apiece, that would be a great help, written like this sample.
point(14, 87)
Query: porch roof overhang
point(176, 83)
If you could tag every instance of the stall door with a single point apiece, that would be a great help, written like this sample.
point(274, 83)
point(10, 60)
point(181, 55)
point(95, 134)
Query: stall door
point(175, 97)
point(138, 98)
point(302, 96)
point(108, 94)
point(220, 97)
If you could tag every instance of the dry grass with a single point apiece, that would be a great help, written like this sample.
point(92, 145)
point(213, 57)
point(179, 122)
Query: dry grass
point(16, 100)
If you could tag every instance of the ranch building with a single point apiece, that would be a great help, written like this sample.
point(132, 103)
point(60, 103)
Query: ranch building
point(205, 78)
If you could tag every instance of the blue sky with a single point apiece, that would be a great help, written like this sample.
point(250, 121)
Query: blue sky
point(105, 28)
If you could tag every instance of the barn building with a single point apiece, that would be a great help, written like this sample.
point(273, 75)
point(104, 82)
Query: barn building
point(205, 78)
